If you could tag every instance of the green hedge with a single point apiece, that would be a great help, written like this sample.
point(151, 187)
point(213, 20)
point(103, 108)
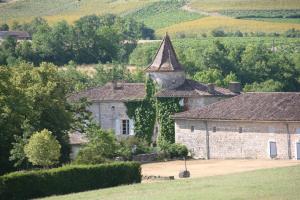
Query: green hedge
point(67, 179)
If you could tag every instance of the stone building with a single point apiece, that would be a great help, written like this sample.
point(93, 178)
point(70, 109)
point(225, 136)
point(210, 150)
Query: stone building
point(108, 102)
point(251, 125)
point(18, 35)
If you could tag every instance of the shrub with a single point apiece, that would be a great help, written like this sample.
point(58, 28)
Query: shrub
point(173, 150)
point(177, 150)
point(101, 146)
point(67, 179)
point(42, 149)
point(132, 146)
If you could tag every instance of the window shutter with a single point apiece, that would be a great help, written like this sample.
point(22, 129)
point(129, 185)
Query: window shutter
point(117, 126)
point(131, 127)
point(273, 149)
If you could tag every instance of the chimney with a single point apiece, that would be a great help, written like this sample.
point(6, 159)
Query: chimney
point(211, 87)
point(235, 87)
point(114, 85)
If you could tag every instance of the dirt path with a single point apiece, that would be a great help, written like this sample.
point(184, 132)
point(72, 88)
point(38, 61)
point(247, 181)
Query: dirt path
point(202, 168)
point(188, 8)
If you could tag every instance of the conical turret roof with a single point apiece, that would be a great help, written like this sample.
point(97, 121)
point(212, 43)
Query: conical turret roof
point(165, 59)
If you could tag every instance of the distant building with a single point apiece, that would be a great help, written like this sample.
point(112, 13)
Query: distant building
point(18, 35)
point(108, 107)
point(251, 125)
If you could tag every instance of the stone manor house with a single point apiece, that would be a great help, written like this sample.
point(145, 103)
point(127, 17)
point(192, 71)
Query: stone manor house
point(231, 135)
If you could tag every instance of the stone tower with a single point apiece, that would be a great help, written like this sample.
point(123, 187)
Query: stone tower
point(165, 68)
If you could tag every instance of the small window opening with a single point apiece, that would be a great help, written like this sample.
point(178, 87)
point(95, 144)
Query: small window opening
point(125, 127)
point(192, 129)
point(113, 108)
point(214, 129)
point(240, 130)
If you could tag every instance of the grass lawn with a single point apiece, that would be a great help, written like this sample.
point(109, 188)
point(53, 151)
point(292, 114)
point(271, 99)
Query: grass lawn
point(276, 183)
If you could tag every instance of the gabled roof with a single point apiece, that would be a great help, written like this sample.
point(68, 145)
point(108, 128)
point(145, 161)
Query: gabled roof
point(191, 88)
point(16, 34)
point(250, 107)
point(121, 92)
point(165, 59)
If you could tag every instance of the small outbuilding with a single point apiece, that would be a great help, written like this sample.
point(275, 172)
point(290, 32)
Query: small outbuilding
point(247, 126)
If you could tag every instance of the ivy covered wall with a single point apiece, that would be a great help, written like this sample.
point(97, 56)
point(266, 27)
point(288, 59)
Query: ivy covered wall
point(145, 113)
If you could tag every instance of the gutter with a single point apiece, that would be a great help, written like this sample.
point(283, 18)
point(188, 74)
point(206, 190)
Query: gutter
point(289, 141)
point(207, 141)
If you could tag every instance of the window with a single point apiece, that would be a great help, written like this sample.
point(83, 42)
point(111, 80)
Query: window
point(192, 129)
point(214, 129)
point(240, 130)
point(125, 127)
point(273, 150)
point(298, 131)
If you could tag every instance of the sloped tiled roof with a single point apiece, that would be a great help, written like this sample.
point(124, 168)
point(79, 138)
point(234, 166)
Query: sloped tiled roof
point(16, 34)
point(165, 59)
point(192, 88)
point(250, 107)
point(123, 92)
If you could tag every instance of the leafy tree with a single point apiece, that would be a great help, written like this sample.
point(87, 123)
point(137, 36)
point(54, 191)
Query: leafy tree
point(101, 146)
point(209, 76)
point(43, 149)
point(4, 27)
point(266, 86)
point(36, 97)
point(218, 33)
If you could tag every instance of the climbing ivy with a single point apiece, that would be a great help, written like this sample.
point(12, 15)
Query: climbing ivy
point(146, 112)
point(143, 113)
point(166, 107)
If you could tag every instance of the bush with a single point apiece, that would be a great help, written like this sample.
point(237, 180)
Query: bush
point(101, 147)
point(43, 149)
point(173, 150)
point(177, 150)
point(132, 146)
point(67, 179)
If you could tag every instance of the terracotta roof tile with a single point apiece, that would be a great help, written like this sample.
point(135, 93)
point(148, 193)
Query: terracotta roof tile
point(122, 92)
point(251, 107)
point(165, 59)
point(192, 88)
point(16, 34)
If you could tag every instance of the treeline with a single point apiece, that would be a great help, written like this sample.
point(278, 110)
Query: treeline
point(257, 66)
point(92, 39)
point(295, 13)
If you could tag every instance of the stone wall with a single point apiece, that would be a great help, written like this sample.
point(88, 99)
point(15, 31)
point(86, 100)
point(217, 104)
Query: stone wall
point(228, 142)
point(169, 80)
point(109, 115)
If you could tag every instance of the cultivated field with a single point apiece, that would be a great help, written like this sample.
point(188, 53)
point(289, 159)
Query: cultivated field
point(163, 16)
point(206, 24)
point(70, 10)
point(217, 5)
point(276, 183)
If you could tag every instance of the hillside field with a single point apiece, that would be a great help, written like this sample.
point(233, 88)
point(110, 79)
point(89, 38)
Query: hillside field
point(177, 17)
point(276, 183)
point(218, 5)
point(206, 24)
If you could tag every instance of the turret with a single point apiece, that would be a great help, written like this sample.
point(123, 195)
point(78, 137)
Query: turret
point(165, 68)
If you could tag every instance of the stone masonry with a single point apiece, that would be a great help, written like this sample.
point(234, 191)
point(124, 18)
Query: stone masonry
point(239, 139)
